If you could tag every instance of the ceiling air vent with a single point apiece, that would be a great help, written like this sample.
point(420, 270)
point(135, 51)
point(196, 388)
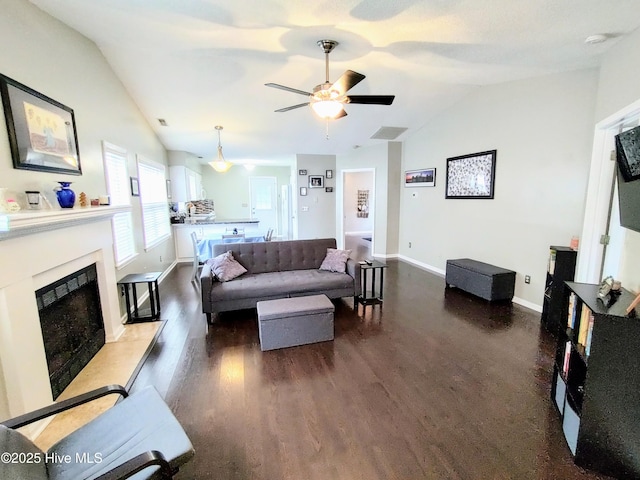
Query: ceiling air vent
point(389, 133)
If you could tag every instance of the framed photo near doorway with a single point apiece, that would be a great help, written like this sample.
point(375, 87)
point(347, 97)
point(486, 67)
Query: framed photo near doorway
point(42, 131)
point(425, 177)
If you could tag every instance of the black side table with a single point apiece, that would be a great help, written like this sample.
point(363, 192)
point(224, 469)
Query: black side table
point(151, 279)
point(370, 297)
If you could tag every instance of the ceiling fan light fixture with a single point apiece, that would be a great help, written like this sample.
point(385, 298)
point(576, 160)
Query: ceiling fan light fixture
point(220, 165)
point(326, 109)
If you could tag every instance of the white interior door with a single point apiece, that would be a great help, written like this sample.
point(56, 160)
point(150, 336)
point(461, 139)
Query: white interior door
point(264, 202)
point(285, 212)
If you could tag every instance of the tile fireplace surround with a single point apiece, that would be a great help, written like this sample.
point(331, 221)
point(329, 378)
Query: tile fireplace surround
point(36, 249)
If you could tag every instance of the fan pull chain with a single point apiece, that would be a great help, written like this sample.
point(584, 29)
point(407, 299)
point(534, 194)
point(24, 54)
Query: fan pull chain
point(327, 131)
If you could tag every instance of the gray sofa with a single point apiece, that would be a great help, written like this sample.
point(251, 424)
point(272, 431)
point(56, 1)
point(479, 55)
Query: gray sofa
point(276, 270)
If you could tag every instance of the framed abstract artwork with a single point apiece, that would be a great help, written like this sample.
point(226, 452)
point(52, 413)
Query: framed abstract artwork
point(471, 176)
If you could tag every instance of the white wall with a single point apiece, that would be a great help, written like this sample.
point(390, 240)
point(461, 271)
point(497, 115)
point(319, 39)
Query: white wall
point(58, 62)
point(542, 130)
point(618, 84)
point(317, 220)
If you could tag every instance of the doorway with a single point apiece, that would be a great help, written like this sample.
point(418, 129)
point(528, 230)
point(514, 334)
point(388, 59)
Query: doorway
point(357, 212)
point(264, 202)
point(601, 204)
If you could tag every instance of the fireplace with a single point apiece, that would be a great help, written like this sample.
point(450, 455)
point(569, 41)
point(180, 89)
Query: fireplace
point(39, 249)
point(72, 325)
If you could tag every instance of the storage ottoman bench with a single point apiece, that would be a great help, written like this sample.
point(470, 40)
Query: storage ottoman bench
point(287, 322)
point(481, 279)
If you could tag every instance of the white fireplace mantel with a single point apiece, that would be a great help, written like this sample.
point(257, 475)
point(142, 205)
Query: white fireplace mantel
point(36, 249)
point(35, 221)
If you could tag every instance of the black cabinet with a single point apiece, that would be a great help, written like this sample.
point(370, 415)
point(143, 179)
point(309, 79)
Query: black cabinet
point(561, 267)
point(596, 380)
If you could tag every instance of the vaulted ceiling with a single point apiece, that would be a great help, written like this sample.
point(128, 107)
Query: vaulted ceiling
point(201, 63)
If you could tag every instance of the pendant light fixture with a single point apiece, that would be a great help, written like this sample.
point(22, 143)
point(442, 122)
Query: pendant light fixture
point(220, 164)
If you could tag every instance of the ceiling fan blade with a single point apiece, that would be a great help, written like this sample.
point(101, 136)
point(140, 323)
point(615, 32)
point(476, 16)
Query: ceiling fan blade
point(286, 109)
point(371, 99)
point(288, 89)
point(348, 80)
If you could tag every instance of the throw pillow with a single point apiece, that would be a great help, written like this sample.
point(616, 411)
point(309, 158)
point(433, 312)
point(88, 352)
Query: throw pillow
point(225, 267)
point(335, 260)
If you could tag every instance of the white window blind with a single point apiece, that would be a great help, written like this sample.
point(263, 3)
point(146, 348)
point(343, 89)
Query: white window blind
point(153, 197)
point(117, 176)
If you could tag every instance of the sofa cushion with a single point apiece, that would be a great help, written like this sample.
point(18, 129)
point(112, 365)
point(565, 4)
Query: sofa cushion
point(278, 256)
point(280, 284)
point(335, 260)
point(225, 267)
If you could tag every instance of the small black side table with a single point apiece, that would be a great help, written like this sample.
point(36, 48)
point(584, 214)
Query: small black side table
point(369, 297)
point(151, 279)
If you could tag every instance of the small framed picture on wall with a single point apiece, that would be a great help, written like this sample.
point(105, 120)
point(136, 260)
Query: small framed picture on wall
point(316, 181)
point(135, 188)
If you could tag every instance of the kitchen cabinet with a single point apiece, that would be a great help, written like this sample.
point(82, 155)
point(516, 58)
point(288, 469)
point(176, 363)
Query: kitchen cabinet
point(186, 184)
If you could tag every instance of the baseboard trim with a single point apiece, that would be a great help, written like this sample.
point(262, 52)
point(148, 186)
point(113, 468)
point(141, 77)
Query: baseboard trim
point(422, 265)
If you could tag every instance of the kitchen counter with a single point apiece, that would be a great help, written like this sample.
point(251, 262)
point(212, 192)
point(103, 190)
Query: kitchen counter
point(190, 222)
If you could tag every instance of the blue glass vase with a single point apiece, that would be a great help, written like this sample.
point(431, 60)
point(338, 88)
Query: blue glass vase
point(66, 196)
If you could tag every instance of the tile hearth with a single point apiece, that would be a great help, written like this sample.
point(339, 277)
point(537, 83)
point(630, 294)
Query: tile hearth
point(114, 363)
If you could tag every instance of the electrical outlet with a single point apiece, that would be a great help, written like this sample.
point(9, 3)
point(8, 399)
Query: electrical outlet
point(527, 279)
point(305, 209)
point(409, 244)
point(160, 258)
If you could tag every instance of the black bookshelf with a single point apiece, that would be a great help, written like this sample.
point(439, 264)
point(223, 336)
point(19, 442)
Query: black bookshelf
point(561, 267)
point(596, 381)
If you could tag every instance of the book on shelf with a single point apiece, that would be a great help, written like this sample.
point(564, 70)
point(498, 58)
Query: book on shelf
point(584, 324)
point(571, 315)
point(552, 261)
point(587, 347)
point(567, 356)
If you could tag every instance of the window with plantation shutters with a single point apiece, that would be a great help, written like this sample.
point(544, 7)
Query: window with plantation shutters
point(153, 198)
point(117, 176)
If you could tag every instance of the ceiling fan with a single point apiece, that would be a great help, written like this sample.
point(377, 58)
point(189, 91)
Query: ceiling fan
point(328, 99)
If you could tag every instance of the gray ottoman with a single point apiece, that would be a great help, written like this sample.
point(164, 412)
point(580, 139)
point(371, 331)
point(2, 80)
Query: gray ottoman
point(482, 279)
point(287, 322)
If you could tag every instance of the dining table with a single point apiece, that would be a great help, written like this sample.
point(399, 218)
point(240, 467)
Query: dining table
point(205, 245)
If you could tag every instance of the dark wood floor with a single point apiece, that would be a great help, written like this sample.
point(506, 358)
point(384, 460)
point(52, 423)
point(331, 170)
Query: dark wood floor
point(434, 385)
